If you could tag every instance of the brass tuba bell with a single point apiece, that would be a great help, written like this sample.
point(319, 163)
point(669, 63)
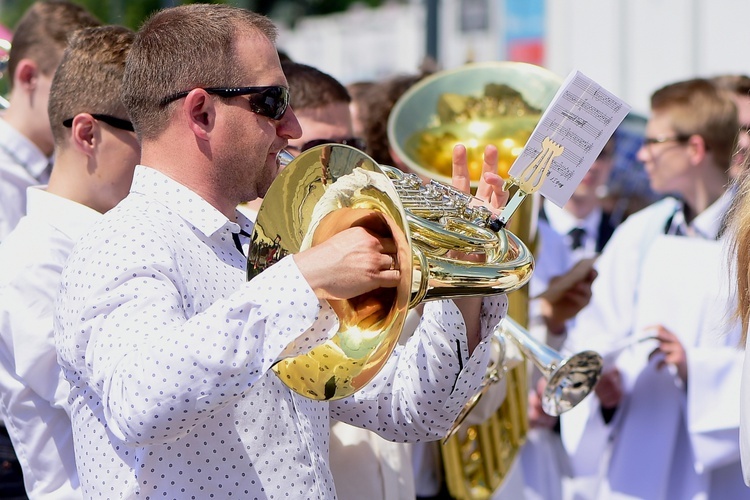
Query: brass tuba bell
point(475, 105)
point(330, 188)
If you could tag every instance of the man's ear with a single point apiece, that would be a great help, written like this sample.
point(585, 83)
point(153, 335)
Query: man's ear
point(83, 134)
point(26, 75)
point(200, 113)
point(698, 149)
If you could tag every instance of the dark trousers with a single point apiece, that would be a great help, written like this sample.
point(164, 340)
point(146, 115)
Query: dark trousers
point(11, 476)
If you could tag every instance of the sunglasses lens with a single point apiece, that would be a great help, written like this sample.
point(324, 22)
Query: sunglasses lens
point(271, 102)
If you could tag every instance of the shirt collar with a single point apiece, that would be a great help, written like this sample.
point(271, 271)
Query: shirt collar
point(186, 203)
point(25, 152)
point(708, 223)
point(563, 221)
point(69, 217)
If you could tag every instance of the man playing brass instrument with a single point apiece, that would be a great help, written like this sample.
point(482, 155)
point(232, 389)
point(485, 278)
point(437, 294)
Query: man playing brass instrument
point(169, 350)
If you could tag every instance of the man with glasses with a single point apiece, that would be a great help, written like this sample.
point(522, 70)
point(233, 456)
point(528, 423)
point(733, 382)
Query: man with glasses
point(665, 421)
point(167, 347)
point(95, 155)
point(321, 105)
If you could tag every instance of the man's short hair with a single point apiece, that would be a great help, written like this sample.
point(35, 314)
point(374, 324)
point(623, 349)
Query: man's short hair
point(182, 48)
point(311, 88)
point(698, 107)
point(42, 34)
point(375, 106)
point(89, 78)
point(739, 84)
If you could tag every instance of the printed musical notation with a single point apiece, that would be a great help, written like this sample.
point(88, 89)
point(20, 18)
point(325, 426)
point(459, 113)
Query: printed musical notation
point(581, 118)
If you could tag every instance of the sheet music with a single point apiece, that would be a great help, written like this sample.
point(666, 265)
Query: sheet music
point(581, 118)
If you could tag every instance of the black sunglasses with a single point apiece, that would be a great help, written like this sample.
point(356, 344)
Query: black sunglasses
point(270, 102)
point(354, 142)
point(112, 121)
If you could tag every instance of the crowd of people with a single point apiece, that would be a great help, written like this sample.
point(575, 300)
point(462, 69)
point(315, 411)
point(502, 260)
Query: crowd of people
point(137, 359)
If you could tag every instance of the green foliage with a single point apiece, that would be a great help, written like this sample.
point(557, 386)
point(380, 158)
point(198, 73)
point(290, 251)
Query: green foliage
point(132, 13)
point(123, 12)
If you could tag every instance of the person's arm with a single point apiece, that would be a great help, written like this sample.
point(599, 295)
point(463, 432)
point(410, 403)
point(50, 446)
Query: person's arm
point(444, 365)
point(26, 310)
point(489, 194)
point(147, 342)
point(425, 384)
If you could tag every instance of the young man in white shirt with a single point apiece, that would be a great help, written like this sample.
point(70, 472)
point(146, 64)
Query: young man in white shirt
point(95, 155)
point(665, 421)
point(26, 141)
point(169, 349)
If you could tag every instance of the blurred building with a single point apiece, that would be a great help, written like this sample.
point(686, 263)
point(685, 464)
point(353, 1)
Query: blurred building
point(631, 47)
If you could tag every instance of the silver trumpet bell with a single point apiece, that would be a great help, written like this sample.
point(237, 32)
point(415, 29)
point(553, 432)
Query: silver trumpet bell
point(569, 380)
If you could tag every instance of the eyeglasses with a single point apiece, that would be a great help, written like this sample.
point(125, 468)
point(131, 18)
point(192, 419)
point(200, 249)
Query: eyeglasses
point(112, 121)
point(647, 141)
point(354, 142)
point(270, 102)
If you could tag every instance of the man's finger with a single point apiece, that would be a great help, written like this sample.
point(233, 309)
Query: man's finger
point(461, 180)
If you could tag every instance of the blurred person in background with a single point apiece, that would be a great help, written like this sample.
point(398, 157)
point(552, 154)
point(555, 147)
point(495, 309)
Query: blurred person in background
point(95, 153)
point(665, 420)
point(26, 141)
point(373, 107)
point(739, 86)
point(357, 90)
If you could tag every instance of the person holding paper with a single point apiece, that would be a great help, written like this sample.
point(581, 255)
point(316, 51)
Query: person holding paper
point(665, 421)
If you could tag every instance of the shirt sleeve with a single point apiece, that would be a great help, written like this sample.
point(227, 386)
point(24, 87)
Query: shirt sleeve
point(713, 405)
point(426, 382)
point(160, 371)
point(26, 311)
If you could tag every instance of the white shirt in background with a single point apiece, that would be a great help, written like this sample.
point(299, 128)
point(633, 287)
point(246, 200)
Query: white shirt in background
point(678, 442)
point(22, 165)
point(33, 390)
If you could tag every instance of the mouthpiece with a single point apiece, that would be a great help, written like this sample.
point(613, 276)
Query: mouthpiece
point(284, 158)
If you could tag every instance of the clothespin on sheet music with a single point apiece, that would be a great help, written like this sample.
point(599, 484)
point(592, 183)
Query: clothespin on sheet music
point(572, 132)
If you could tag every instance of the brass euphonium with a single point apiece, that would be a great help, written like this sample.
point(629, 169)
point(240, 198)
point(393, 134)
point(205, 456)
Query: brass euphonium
point(477, 104)
point(333, 187)
point(4, 55)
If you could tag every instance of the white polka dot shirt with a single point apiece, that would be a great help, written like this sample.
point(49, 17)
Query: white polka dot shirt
point(168, 351)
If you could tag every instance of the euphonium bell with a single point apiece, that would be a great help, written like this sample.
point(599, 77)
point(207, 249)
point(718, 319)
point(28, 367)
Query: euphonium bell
point(330, 188)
